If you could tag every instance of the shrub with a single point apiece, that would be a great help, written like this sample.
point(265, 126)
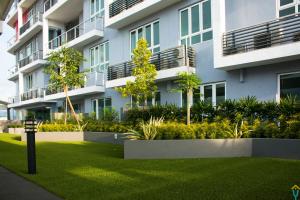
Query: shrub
point(107, 127)
point(15, 126)
point(293, 129)
point(169, 131)
point(266, 129)
point(58, 128)
point(202, 110)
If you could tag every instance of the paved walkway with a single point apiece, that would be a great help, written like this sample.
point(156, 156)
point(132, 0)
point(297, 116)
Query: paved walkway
point(13, 187)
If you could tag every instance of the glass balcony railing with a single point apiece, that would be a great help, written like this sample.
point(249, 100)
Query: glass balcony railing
point(91, 79)
point(13, 71)
point(119, 6)
point(33, 94)
point(29, 59)
point(77, 31)
point(167, 59)
point(278, 32)
point(33, 20)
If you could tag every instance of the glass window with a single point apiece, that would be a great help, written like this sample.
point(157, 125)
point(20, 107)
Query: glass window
point(290, 85)
point(196, 96)
point(220, 93)
point(213, 93)
point(28, 82)
point(288, 7)
point(150, 32)
point(196, 24)
point(157, 98)
point(99, 57)
point(97, 8)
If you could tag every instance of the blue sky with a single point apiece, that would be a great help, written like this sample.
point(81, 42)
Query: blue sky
point(7, 61)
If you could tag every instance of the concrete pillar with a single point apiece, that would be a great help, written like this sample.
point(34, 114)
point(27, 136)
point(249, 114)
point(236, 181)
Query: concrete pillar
point(45, 37)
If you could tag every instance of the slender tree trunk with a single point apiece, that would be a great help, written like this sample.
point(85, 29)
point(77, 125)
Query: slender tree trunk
point(188, 107)
point(68, 100)
point(66, 105)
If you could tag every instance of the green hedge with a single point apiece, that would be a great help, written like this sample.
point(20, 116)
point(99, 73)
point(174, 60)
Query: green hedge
point(58, 128)
point(15, 126)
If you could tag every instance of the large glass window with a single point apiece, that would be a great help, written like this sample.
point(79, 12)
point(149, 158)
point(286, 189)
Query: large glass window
point(99, 57)
point(211, 93)
point(100, 105)
point(150, 32)
point(97, 8)
point(28, 79)
point(288, 7)
point(290, 85)
point(195, 23)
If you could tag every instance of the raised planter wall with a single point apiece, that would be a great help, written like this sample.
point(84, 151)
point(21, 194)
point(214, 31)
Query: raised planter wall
point(16, 130)
point(77, 137)
point(215, 148)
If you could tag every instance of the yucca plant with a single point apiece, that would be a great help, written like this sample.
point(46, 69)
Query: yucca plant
point(148, 130)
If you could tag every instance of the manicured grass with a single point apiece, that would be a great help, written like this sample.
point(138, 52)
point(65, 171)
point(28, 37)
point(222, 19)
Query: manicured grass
point(97, 171)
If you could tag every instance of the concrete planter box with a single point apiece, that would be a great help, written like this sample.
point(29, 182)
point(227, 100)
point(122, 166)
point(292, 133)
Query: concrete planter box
point(215, 148)
point(116, 138)
point(16, 130)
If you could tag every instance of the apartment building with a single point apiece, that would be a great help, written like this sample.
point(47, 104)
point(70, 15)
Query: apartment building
point(237, 47)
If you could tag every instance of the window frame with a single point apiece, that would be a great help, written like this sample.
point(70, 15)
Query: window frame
point(278, 83)
point(96, 13)
point(201, 31)
point(143, 27)
point(214, 94)
point(295, 4)
point(97, 105)
point(99, 64)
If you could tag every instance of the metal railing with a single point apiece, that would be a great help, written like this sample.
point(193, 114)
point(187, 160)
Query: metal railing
point(48, 4)
point(15, 99)
point(119, 6)
point(167, 59)
point(282, 31)
point(33, 94)
point(38, 17)
point(29, 59)
point(91, 79)
point(12, 71)
point(13, 10)
point(77, 31)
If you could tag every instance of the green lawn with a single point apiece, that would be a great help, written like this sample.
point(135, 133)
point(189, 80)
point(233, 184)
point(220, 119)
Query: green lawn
point(84, 170)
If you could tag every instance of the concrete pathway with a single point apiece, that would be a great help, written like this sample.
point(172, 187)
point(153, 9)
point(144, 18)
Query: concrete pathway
point(13, 187)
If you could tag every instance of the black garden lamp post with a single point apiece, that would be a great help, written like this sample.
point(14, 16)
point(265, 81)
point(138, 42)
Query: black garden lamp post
point(30, 129)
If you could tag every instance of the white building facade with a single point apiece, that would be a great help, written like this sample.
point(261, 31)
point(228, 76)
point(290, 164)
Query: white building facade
point(237, 47)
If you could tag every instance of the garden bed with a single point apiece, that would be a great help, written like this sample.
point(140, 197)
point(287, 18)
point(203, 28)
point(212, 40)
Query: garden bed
point(16, 130)
point(116, 138)
point(210, 148)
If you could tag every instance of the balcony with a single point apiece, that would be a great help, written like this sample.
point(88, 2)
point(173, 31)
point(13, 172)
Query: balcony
point(12, 16)
point(168, 63)
point(124, 12)
point(33, 94)
point(267, 43)
point(26, 3)
point(32, 62)
point(62, 11)
point(27, 31)
point(80, 35)
point(94, 84)
point(13, 73)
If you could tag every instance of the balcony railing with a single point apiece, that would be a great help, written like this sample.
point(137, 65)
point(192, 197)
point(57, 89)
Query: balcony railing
point(77, 31)
point(33, 94)
point(119, 6)
point(15, 99)
point(29, 59)
point(11, 41)
point(278, 32)
point(91, 79)
point(48, 4)
point(12, 71)
point(170, 58)
point(36, 18)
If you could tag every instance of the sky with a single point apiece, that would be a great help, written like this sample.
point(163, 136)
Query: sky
point(7, 61)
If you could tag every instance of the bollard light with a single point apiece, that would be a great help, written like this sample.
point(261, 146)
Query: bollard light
point(31, 129)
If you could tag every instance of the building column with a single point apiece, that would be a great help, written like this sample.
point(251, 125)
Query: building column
point(45, 37)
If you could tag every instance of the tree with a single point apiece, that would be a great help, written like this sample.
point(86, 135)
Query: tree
point(143, 87)
point(187, 82)
point(64, 73)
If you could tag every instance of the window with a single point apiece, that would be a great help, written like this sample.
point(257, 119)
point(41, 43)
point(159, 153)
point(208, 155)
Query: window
point(150, 32)
point(100, 105)
point(288, 7)
point(99, 57)
point(195, 23)
point(289, 85)
point(151, 101)
point(210, 93)
point(97, 8)
point(28, 82)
